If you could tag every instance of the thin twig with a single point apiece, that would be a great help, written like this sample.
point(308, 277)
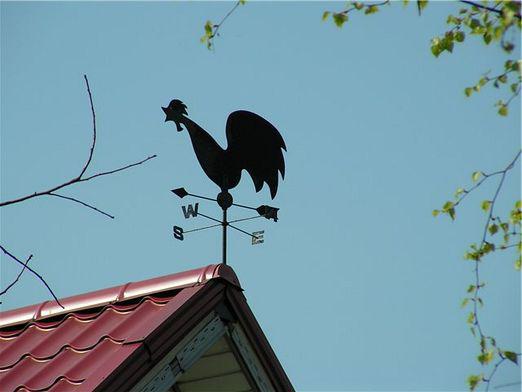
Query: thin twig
point(82, 203)
point(488, 380)
point(217, 26)
point(91, 152)
point(118, 170)
point(17, 277)
point(34, 272)
point(478, 286)
point(367, 5)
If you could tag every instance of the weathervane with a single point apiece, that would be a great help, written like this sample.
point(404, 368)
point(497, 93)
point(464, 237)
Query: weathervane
point(253, 144)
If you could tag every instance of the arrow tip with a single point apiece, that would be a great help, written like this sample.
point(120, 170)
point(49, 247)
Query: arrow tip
point(180, 192)
point(268, 212)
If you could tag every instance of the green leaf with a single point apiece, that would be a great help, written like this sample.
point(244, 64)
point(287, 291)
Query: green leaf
point(504, 226)
point(502, 78)
point(208, 27)
point(471, 318)
point(451, 213)
point(468, 91)
point(449, 45)
point(514, 88)
point(459, 191)
point(471, 288)
point(340, 19)
point(486, 357)
point(485, 205)
point(326, 14)
point(518, 204)
point(487, 38)
point(460, 36)
point(473, 381)
point(447, 205)
point(358, 5)
point(513, 357)
point(503, 110)
point(372, 9)
point(488, 247)
point(435, 212)
point(464, 302)
point(482, 82)
point(493, 229)
point(474, 24)
point(476, 176)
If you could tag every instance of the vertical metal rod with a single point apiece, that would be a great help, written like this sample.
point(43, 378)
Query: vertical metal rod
point(225, 224)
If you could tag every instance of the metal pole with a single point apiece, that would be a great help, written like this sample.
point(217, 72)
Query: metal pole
point(225, 224)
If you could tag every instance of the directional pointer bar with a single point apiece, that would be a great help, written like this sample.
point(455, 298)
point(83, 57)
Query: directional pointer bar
point(266, 211)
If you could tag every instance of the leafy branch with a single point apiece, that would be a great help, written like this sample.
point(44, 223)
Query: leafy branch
point(493, 225)
point(341, 17)
point(212, 30)
point(492, 23)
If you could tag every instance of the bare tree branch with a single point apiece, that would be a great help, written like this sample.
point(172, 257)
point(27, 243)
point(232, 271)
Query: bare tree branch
point(31, 270)
point(82, 203)
point(17, 277)
point(79, 178)
point(91, 153)
point(116, 170)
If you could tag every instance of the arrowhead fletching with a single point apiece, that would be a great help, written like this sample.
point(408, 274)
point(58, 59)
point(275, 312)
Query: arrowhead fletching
point(180, 192)
point(268, 212)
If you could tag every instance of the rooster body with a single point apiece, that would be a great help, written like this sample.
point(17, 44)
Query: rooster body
point(253, 144)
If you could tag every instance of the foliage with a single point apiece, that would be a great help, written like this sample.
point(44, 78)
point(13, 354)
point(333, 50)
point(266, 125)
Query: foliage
point(212, 29)
point(492, 22)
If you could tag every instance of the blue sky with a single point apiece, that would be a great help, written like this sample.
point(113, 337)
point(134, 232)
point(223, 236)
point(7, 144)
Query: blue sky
point(357, 286)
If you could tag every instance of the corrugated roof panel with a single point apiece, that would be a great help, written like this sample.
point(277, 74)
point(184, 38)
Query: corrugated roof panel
point(80, 346)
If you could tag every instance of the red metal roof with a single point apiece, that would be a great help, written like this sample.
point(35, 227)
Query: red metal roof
point(46, 347)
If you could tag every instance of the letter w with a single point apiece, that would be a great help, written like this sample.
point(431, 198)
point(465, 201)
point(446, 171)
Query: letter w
point(190, 211)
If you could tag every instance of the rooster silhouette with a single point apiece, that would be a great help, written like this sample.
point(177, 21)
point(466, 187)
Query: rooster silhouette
point(253, 144)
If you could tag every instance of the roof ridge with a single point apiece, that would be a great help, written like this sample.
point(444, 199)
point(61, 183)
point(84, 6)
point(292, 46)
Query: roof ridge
point(119, 293)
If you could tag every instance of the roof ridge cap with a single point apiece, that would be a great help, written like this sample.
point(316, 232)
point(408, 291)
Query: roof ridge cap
point(119, 293)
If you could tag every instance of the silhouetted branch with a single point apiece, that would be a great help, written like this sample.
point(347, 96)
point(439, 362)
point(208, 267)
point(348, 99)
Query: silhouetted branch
point(82, 203)
point(91, 153)
point(117, 170)
point(25, 266)
point(79, 178)
point(17, 277)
